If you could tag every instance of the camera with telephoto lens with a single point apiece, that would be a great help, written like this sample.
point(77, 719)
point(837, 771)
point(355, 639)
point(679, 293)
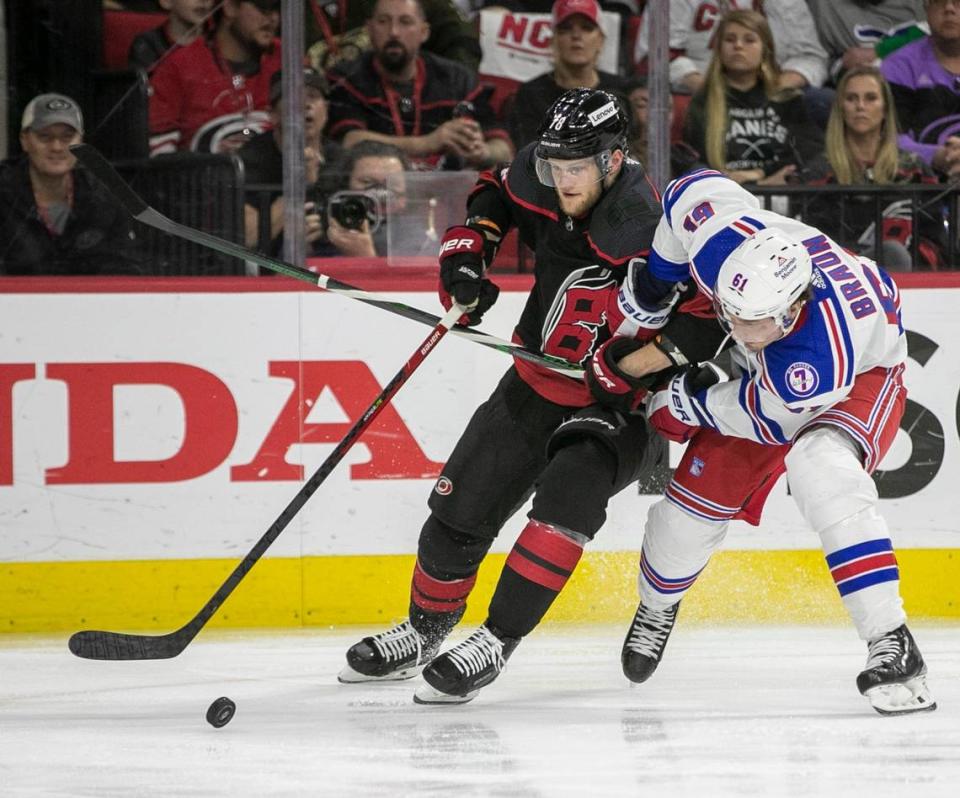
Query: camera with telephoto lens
point(352, 208)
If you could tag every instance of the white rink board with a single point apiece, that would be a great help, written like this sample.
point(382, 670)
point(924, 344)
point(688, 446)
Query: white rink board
point(235, 336)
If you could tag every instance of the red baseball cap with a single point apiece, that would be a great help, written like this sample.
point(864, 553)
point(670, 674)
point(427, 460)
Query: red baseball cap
point(564, 9)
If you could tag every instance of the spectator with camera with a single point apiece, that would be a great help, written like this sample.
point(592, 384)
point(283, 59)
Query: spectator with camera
point(263, 161)
point(428, 106)
point(862, 150)
point(742, 122)
point(365, 187)
point(54, 219)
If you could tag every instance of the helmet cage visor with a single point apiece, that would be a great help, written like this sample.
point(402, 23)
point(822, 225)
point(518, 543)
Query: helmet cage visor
point(555, 171)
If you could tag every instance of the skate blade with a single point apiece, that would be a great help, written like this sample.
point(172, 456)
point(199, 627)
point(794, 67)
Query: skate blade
point(425, 694)
point(349, 676)
point(912, 695)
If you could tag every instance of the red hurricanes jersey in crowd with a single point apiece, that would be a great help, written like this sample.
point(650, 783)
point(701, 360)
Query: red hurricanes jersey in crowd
point(197, 102)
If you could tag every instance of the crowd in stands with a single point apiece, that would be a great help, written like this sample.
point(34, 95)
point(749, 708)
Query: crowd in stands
point(780, 93)
point(262, 158)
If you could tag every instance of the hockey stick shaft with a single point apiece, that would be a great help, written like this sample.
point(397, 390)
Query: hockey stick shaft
point(92, 644)
point(91, 158)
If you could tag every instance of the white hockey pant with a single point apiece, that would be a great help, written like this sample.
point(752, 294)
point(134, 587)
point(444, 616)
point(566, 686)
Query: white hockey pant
point(838, 499)
point(676, 547)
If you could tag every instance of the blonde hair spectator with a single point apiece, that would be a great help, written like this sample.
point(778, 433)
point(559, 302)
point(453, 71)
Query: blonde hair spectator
point(847, 167)
point(715, 83)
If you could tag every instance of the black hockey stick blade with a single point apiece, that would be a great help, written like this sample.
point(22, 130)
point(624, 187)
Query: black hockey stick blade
point(92, 644)
point(94, 161)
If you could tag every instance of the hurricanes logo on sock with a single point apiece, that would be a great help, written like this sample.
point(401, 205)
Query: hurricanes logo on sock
point(444, 486)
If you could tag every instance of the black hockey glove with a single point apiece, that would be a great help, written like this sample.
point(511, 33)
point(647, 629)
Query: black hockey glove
point(610, 385)
point(462, 267)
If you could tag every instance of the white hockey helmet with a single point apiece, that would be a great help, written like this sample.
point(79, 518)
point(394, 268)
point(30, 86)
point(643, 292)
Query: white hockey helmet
point(762, 278)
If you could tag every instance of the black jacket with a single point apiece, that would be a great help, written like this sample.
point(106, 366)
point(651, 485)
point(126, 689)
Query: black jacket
point(97, 238)
point(761, 133)
point(365, 99)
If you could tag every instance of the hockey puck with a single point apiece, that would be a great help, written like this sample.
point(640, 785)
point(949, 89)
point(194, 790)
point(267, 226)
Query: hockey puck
point(221, 712)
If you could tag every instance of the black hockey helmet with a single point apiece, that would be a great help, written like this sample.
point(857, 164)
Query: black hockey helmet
point(582, 123)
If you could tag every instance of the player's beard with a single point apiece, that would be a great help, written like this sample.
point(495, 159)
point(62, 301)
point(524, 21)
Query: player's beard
point(254, 48)
point(394, 57)
point(583, 202)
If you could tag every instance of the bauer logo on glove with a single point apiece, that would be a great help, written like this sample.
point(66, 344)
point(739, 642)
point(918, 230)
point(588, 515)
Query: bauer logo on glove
point(454, 244)
point(469, 273)
point(680, 410)
point(631, 318)
point(462, 266)
point(601, 376)
point(609, 384)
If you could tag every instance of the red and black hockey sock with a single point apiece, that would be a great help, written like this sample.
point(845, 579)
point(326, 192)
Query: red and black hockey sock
point(439, 595)
point(436, 605)
point(537, 568)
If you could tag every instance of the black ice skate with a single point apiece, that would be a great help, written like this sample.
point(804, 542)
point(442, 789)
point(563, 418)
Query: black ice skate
point(895, 677)
point(457, 675)
point(398, 653)
point(646, 640)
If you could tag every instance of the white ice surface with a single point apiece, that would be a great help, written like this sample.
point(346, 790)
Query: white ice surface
point(739, 712)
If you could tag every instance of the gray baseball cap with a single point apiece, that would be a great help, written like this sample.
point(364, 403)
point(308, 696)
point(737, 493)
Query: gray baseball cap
point(49, 109)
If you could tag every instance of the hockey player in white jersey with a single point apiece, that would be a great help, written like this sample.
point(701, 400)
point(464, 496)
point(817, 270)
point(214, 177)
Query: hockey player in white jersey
point(816, 392)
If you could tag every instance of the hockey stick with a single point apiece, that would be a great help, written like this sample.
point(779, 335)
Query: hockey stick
point(91, 644)
point(91, 158)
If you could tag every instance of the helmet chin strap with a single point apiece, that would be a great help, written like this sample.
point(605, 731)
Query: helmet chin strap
point(723, 343)
point(603, 180)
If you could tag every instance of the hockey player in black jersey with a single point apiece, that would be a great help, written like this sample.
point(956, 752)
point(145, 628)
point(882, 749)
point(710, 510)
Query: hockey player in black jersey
point(588, 213)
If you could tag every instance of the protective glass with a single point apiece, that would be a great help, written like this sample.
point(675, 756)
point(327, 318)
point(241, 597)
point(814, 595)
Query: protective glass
point(390, 195)
point(555, 172)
